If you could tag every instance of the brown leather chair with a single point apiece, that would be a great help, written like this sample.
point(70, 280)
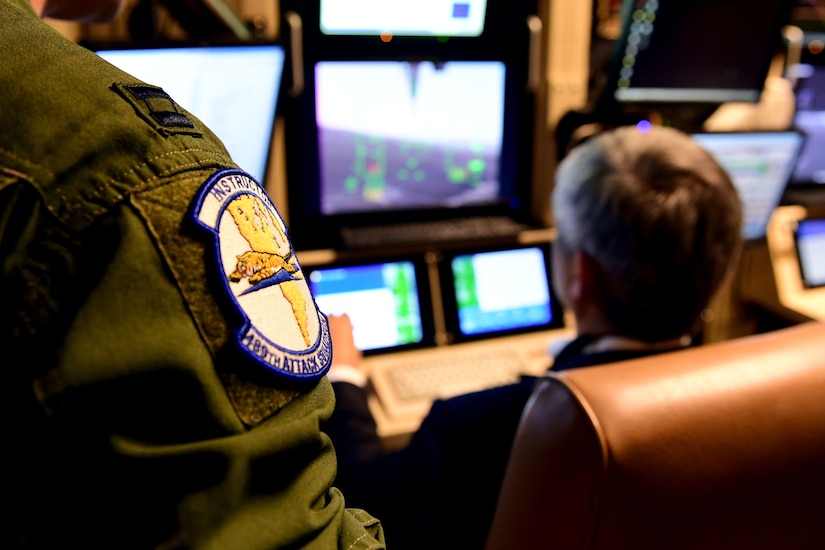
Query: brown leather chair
point(721, 446)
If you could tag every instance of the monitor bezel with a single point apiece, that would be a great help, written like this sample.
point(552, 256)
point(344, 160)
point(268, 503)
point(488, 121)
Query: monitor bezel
point(505, 38)
point(450, 303)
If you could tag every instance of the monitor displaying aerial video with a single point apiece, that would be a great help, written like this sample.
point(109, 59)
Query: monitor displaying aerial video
point(396, 135)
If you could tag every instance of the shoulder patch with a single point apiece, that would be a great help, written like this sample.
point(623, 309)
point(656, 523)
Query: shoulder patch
point(283, 331)
point(157, 108)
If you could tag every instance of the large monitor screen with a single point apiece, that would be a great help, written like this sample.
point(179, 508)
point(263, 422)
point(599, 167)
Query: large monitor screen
point(403, 17)
point(701, 51)
point(760, 165)
point(232, 89)
point(400, 135)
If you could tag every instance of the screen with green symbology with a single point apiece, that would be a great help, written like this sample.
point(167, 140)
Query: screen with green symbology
point(381, 299)
point(501, 290)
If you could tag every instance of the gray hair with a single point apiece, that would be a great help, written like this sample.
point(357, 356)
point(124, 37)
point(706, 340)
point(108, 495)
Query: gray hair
point(659, 216)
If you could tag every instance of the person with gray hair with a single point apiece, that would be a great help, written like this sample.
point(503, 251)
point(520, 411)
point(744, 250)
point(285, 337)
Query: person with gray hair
point(652, 221)
point(648, 225)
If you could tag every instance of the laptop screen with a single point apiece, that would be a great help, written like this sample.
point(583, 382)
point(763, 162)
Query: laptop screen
point(493, 292)
point(385, 300)
point(810, 251)
point(232, 89)
point(760, 165)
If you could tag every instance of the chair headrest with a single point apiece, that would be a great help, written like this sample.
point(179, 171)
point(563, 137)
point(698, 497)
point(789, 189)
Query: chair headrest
point(717, 446)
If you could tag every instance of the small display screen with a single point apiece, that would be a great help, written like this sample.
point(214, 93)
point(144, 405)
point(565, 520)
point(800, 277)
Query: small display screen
point(810, 118)
point(382, 300)
point(499, 291)
point(442, 18)
point(810, 248)
point(396, 135)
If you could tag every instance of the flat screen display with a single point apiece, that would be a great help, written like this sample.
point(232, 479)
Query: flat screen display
point(495, 292)
point(403, 17)
point(233, 90)
point(760, 165)
point(383, 300)
point(810, 248)
point(702, 51)
point(810, 119)
point(400, 135)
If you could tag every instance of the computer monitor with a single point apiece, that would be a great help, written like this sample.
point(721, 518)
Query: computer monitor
point(809, 117)
point(400, 135)
point(409, 128)
point(443, 18)
point(760, 165)
point(232, 89)
point(809, 236)
point(697, 53)
point(387, 300)
point(498, 291)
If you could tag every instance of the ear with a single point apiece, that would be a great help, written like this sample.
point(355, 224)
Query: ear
point(580, 280)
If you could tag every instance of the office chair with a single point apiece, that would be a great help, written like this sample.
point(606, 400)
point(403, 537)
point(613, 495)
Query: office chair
point(720, 446)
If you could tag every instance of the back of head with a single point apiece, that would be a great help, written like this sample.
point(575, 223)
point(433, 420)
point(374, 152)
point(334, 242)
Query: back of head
point(660, 218)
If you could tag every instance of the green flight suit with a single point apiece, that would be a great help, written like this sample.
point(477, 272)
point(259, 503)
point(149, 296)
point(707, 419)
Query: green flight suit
point(164, 361)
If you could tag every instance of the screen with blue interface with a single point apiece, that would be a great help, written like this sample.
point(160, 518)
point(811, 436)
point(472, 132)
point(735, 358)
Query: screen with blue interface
point(233, 90)
point(399, 135)
point(382, 300)
point(760, 165)
point(810, 247)
point(441, 18)
point(502, 290)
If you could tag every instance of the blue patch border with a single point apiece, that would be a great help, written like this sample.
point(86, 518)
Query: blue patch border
point(319, 352)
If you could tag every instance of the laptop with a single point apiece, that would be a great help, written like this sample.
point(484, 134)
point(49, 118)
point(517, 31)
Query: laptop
point(232, 89)
point(760, 165)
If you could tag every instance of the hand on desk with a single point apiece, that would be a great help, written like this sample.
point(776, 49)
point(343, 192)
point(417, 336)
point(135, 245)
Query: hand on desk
point(344, 351)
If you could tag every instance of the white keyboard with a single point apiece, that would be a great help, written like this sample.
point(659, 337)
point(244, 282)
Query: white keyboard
point(406, 383)
point(454, 374)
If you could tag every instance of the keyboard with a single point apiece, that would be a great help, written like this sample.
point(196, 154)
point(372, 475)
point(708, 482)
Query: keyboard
point(454, 375)
point(434, 231)
point(405, 384)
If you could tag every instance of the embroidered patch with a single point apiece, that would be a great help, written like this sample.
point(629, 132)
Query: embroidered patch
point(283, 330)
point(157, 108)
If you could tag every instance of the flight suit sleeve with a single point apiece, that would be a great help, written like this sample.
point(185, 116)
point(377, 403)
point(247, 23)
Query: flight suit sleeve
point(145, 442)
